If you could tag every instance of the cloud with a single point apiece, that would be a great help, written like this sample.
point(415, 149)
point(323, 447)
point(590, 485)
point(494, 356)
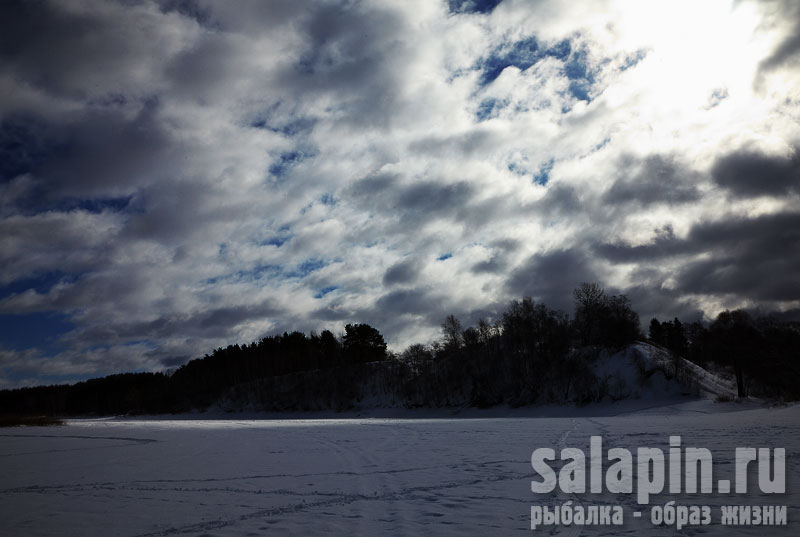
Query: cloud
point(753, 173)
point(407, 301)
point(103, 53)
point(179, 175)
point(753, 258)
point(783, 16)
point(742, 257)
point(550, 277)
point(400, 273)
point(655, 180)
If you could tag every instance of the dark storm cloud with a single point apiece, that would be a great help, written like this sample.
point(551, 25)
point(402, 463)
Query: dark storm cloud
point(752, 173)
point(32, 246)
point(206, 67)
point(766, 235)
point(494, 265)
point(656, 179)
point(210, 324)
point(651, 300)
point(421, 200)
point(332, 313)
point(393, 311)
point(474, 214)
point(498, 261)
point(69, 52)
point(743, 276)
point(663, 245)
point(638, 183)
point(788, 49)
point(100, 155)
point(352, 52)
point(372, 186)
point(505, 245)
point(408, 301)
point(787, 316)
point(431, 198)
point(465, 144)
point(559, 201)
point(174, 361)
point(753, 258)
point(105, 145)
point(551, 277)
point(402, 272)
point(252, 17)
point(174, 208)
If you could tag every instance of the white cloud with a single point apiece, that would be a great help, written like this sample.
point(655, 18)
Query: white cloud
point(271, 153)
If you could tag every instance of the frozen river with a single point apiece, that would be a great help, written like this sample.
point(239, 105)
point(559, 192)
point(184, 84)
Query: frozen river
point(462, 476)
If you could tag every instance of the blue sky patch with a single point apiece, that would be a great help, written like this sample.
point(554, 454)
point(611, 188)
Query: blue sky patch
point(525, 53)
point(575, 68)
point(328, 199)
point(489, 108)
point(278, 239)
point(602, 144)
point(444, 257)
point(33, 330)
point(324, 291)
point(632, 59)
point(518, 168)
point(560, 50)
point(23, 148)
point(717, 96)
point(580, 90)
point(97, 205)
point(41, 284)
point(285, 161)
point(35, 201)
point(543, 176)
point(257, 272)
point(473, 6)
point(289, 128)
point(275, 241)
point(254, 274)
point(307, 267)
point(580, 75)
point(521, 54)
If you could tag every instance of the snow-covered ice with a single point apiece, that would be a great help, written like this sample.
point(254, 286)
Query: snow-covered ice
point(359, 476)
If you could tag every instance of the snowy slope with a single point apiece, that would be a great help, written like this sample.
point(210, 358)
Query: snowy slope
point(640, 371)
point(708, 383)
point(692, 376)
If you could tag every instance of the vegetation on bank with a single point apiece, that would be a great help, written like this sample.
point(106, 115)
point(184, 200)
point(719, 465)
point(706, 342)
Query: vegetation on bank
point(528, 354)
point(10, 420)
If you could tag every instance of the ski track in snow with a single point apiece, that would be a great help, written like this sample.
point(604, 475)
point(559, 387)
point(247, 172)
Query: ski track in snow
point(356, 476)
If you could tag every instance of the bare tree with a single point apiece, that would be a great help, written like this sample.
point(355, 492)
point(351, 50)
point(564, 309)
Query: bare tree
point(452, 332)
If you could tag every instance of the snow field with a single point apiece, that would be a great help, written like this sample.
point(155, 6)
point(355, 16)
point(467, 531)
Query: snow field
point(444, 476)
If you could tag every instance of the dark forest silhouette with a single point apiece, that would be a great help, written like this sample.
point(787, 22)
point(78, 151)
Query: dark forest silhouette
point(530, 354)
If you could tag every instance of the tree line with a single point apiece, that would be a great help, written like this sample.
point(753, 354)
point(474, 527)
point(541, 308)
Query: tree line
point(200, 382)
point(528, 354)
point(762, 352)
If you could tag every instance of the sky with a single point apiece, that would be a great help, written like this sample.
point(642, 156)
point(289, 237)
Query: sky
point(177, 175)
